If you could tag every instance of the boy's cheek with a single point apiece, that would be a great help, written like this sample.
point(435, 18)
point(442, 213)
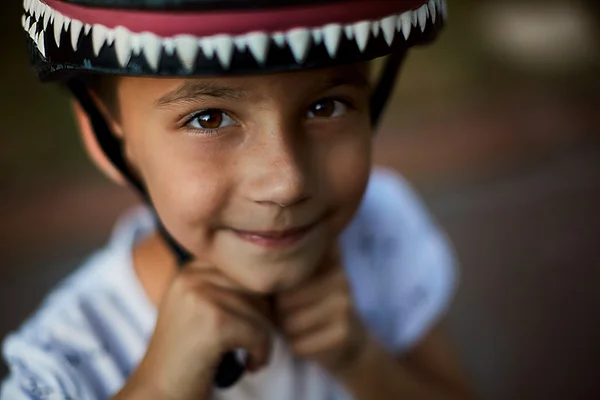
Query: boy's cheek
point(349, 176)
point(186, 195)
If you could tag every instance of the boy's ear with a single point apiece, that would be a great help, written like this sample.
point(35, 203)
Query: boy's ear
point(91, 144)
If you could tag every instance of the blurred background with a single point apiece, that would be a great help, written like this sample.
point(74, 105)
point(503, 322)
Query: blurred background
point(497, 126)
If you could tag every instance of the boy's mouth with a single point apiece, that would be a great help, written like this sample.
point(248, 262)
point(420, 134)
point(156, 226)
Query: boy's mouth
point(276, 238)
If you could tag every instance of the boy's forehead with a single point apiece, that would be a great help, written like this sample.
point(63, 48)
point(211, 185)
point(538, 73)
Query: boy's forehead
point(170, 90)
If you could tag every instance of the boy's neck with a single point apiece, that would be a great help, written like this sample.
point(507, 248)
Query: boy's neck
point(154, 265)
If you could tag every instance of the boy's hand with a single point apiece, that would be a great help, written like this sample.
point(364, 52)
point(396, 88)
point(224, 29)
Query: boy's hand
point(200, 318)
point(319, 320)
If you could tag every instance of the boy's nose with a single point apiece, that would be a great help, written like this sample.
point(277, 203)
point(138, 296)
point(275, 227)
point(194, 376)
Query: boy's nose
point(278, 175)
point(286, 192)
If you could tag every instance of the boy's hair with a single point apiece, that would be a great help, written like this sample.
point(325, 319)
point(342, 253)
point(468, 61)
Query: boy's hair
point(105, 88)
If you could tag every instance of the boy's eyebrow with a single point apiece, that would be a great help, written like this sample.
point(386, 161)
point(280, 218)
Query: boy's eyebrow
point(358, 80)
point(193, 90)
point(351, 76)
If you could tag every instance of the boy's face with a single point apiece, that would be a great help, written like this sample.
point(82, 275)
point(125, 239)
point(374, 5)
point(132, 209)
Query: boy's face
point(254, 175)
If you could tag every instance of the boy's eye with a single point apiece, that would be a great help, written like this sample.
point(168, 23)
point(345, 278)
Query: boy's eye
point(211, 119)
point(327, 108)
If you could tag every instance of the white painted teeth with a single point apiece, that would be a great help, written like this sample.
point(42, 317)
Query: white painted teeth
point(317, 36)
point(375, 27)
point(187, 47)
point(41, 43)
point(26, 22)
point(136, 44)
point(433, 10)
point(223, 45)
point(169, 46)
point(279, 39)
point(239, 42)
point(32, 30)
point(99, 36)
point(299, 41)
point(187, 50)
point(406, 24)
point(349, 32)
point(35, 9)
point(123, 45)
point(388, 26)
point(362, 32)
point(47, 16)
point(258, 43)
point(331, 37)
point(76, 27)
point(67, 23)
point(152, 49)
point(208, 48)
point(422, 16)
point(58, 25)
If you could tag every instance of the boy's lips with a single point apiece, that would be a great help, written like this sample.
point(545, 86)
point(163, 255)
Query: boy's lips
point(275, 238)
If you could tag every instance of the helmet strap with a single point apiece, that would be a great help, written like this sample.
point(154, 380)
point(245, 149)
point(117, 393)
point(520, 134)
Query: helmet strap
point(386, 85)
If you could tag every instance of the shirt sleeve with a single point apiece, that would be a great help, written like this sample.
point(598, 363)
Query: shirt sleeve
point(39, 372)
point(415, 264)
point(424, 302)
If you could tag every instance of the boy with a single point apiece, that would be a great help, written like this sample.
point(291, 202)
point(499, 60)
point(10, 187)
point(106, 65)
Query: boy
point(305, 275)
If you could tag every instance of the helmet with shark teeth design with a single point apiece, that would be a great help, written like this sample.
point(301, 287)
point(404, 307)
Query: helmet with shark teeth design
point(69, 39)
point(208, 37)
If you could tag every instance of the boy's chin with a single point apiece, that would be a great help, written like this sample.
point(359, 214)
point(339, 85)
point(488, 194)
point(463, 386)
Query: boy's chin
point(265, 277)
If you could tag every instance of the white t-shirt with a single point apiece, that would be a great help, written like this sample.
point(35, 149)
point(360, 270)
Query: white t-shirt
point(93, 329)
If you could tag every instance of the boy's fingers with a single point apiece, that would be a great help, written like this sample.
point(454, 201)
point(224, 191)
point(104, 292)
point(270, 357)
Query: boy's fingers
point(201, 274)
point(251, 336)
point(256, 310)
point(242, 321)
point(313, 291)
point(311, 345)
point(307, 320)
point(208, 274)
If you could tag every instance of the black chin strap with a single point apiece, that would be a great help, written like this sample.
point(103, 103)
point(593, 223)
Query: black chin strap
point(230, 370)
point(386, 85)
